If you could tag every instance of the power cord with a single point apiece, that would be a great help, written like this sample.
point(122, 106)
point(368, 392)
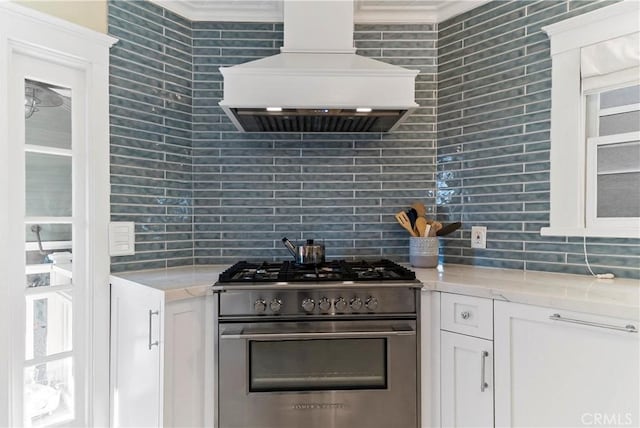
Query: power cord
point(586, 261)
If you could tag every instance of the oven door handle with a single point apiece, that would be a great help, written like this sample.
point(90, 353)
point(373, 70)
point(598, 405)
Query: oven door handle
point(318, 335)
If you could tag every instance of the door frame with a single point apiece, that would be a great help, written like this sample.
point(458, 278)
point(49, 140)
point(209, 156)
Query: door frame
point(48, 38)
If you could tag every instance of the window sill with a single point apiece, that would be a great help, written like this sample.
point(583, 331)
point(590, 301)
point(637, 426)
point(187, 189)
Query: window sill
point(594, 233)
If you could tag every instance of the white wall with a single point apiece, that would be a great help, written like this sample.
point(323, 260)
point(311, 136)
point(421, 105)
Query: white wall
point(88, 13)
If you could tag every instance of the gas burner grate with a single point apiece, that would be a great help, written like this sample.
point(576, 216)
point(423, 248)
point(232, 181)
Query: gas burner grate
point(335, 270)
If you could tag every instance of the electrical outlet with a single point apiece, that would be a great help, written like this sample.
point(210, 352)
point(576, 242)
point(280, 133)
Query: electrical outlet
point(478, 237)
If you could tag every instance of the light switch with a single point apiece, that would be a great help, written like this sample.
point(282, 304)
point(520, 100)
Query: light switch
point(122, 238)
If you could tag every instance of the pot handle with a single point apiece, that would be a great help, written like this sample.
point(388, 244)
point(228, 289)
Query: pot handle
point(290, 247)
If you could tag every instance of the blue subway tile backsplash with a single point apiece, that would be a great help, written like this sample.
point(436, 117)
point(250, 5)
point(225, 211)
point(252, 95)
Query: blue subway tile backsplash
point(477, 148)
point(494, 83)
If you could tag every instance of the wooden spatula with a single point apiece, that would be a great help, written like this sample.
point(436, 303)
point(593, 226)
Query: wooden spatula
point(421, 225)
point(404, 221)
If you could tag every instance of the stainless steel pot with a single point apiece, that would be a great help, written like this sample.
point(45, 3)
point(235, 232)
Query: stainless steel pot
point(306, 254)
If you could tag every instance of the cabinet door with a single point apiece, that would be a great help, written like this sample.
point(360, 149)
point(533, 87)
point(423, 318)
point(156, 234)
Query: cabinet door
point(184, 361)
point(136, 355)
point(553, 371)
point(466, 381)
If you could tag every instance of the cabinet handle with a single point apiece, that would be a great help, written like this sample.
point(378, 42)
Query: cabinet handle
point(629, 328)
point(156, 343)
point(483, 382)
point(465, 315)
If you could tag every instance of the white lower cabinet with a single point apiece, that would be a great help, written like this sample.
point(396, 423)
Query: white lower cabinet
point(157, 358)
point(466, 381)
point(466, 361)
point(556, 368)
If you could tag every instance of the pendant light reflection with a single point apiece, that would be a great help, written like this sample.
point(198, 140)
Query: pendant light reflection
point(37, 95)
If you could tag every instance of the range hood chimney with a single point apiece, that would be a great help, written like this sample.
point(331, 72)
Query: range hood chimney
point(317, 83)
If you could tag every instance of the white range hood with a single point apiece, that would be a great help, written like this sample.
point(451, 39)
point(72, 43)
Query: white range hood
point(317, 83)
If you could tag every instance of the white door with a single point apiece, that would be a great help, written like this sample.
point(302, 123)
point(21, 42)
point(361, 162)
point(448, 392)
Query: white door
point(137, 355)
point(49, 353)
point(559, 369)
point(466, 381)
point(53, 199)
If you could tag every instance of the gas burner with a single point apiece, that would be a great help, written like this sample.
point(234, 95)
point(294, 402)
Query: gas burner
point(371, 273)
point(335, 270)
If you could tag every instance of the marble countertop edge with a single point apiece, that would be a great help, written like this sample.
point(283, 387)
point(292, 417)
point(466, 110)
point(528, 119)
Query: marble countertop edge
point(619, 298)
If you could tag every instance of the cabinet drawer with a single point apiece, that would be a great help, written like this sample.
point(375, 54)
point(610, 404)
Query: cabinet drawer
point(467, 315)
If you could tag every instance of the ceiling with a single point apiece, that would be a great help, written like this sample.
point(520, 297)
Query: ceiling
point(365, 11)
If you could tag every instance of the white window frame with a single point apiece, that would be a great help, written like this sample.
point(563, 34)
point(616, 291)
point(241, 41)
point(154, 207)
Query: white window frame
point(568, 175)
point(51, 39)
point(594, 142)
point(593, 221)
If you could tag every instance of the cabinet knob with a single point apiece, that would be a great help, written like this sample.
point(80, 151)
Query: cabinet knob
point(465, 315)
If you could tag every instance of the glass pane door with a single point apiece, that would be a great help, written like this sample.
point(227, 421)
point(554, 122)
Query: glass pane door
point(48, 373)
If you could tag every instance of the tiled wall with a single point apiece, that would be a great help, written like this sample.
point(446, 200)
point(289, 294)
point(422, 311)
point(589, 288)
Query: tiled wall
point(250, 190)
point(200, 192)
point(493, 141)
point(151, 121)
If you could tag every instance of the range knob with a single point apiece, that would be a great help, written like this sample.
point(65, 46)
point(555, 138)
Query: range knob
point(371, 303)
point(340, 304)
point(260, 306)
point(308, 305)
point(275, 305)
point(356, 303)
point(324, 304)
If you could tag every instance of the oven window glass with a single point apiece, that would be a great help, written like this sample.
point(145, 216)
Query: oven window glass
point(312, 365)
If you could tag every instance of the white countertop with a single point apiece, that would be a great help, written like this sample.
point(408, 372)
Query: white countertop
point(179, 282)
point(618, 298)
point(612, 297)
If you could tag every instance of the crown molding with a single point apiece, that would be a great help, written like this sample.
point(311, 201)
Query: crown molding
point(226, 10)
point(410, 11)
point(365, 11)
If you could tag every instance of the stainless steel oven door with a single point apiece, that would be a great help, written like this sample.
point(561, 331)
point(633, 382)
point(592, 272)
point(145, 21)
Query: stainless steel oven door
point(343, 374)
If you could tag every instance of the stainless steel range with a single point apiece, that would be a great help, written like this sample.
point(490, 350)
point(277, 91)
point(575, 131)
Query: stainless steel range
point(333, 345)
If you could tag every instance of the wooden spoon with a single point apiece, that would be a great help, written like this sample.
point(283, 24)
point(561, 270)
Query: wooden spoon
point(421, 225)
point(435, 226)
point(404, 221)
